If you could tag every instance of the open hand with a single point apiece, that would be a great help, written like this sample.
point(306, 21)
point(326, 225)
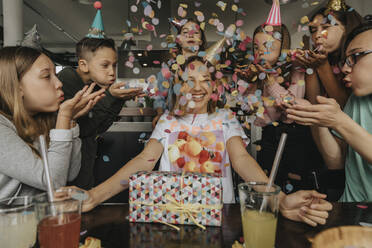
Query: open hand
point(81, 103)
point(125, 94)
point(306, 206)
point(325, 114)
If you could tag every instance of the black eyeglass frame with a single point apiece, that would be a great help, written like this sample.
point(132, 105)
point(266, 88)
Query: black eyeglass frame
point(354, 56)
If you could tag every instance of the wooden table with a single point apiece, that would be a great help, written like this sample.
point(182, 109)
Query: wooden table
point(109, 223)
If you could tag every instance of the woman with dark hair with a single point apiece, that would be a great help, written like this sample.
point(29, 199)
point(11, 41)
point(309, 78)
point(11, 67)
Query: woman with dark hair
point(329, 28)
point(189, 41)
point(344, 137)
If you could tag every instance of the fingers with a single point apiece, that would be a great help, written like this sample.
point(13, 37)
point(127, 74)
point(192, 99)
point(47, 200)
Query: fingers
point(323, 205)
point(316, 194)
point(325, 100)
point(317, 213)
point(89, 89)
point(307, 220)
point(307, 108)
point(312, 218)
point(303, 114)
point(85, 109)
point(118, 85)
point(302, 121)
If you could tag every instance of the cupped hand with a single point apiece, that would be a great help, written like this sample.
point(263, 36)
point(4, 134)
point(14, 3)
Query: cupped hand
point(311, 59)
point(88, 204)
point(116, 90)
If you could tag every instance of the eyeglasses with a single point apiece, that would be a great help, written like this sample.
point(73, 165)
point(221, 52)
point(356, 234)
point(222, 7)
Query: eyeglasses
point(351, 60)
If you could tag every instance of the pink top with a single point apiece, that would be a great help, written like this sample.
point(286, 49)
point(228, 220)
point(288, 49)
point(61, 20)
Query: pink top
point(275, 90)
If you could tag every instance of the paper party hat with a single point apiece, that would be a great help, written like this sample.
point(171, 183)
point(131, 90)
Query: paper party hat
point(274, 18)
point(97, 30)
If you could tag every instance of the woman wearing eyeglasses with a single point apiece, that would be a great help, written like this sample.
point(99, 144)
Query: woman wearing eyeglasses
point(345, 137)
point(329, 28)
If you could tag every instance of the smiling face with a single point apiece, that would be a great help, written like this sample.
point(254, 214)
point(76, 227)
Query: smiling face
point(325, 35)
point(359, 76)
point(101, 66)
point(40, 88)
point(200, 77)
point(266, 48)
point(190, 37)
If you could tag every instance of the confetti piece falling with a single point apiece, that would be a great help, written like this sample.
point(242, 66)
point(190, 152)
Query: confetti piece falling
point(304, 20)
point(191, 104)
point(105, 158)
point(180, 59)
point(222, 5)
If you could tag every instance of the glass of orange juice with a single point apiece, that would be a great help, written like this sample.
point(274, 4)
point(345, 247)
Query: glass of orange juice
point(259, 205)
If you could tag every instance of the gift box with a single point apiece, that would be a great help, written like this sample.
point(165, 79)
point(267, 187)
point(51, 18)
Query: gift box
point(176, 198)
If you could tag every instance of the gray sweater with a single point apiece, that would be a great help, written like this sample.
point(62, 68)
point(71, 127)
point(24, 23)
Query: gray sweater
point(22, 172)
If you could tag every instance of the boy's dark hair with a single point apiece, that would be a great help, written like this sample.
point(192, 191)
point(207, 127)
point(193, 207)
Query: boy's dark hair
point(350, 18)
point(357, 31)
point(90, 45)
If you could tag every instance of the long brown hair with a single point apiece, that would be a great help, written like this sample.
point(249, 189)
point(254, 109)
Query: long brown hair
point(285, 44)
point(350, 19)
point(14, 63)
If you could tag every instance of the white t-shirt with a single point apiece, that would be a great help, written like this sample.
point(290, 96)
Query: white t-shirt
point(197, 143)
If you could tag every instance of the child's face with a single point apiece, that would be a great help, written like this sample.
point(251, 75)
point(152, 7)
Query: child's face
point(359, 76)
point(190, 36)
point(102, 66)
point(40, 87)
point(326, 36)
point(266, 48)
point(199, 74)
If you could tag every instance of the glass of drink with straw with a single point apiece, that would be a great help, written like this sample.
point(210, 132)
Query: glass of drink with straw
point(259, 205)
point(60, 218)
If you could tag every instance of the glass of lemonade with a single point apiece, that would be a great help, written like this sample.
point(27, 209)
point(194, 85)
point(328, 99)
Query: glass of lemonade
point(59, 225)
point(18, 222)
point(259, 205)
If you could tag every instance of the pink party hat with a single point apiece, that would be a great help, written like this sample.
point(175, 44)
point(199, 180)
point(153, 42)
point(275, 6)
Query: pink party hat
point(274, 18)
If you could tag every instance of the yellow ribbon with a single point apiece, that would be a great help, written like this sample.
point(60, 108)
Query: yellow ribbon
point(184, 209)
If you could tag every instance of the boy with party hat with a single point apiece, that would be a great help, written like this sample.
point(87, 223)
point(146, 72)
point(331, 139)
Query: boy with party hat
point(97, 60)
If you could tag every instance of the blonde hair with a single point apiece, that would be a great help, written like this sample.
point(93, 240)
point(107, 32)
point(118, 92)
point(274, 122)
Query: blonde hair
point(211, 108)
point(14, 63)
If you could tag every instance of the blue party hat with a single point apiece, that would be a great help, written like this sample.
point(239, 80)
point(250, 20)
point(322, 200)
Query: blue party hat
point(97, 30)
